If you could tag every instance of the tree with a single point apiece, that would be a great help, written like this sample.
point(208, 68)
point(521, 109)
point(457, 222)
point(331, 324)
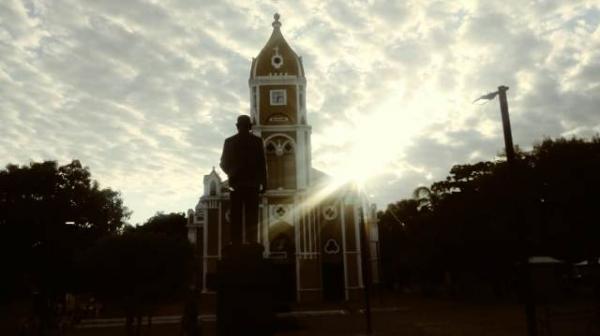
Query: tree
point(137, 270)
point(484, 217)
point(172, 224)
point(567, 182)
point(425, 197)
point(406, 242)
point(48, 214)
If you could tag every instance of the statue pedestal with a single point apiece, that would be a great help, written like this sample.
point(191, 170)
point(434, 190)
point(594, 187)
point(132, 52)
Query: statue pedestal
point(244, 292)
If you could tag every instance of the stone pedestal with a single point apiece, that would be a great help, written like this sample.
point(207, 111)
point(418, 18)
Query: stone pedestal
point(244, 292)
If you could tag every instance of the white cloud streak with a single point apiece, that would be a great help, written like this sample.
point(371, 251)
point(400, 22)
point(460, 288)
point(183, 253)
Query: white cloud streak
point(144, 92)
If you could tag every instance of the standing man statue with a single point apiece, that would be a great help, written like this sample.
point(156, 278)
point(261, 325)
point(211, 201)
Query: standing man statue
point(243, 276)
point(243, 160)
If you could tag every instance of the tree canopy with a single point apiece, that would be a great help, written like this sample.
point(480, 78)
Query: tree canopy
point(486, 216)
point(137, 270)
point(172, 224)
point(145, 267)
point(48, 213)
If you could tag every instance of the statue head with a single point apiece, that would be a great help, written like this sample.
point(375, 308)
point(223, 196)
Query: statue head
point(244, 124)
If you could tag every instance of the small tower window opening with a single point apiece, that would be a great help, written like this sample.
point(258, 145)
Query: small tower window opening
point(277, 61)
point(278, 97)
point(213, 189)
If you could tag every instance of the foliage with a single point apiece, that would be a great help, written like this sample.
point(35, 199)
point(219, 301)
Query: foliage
point(485, 217)
point(172, 224)
point(48, 213)
point(137, 269)
point(143, 267)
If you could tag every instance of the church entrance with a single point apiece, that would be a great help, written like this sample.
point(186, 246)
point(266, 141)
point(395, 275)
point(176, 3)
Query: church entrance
point(332, 268)
point(333, 281)
point(282, 257)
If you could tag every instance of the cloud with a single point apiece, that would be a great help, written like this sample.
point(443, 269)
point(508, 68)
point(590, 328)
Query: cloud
point(145, 92)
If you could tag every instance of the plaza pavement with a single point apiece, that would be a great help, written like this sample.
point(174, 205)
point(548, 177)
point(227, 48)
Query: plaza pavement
point(419, 317)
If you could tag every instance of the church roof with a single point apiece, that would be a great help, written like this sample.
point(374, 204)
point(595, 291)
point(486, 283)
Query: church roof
point(319, 177)
point(277, 57)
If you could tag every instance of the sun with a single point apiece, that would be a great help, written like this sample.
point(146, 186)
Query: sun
point(379, 139)
point(373, 144)
point(375, 141)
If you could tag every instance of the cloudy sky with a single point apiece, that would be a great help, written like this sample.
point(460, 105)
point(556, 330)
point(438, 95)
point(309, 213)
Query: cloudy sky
point(144, 92)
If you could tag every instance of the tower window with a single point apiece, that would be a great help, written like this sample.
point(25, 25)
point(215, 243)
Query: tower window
point(279, 146)
point(276, 61)
point(213, 189)
point(281, 162)
point(278, 97)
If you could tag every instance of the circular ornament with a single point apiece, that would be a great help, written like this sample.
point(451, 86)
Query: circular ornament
point(277, 61)
point(330, 212)
point(331, 246)
point(279, 211)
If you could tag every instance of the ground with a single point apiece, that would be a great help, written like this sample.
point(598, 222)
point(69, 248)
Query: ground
point(398, 315)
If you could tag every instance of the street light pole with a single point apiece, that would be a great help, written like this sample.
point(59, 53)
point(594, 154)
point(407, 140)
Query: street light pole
point(510, 159)
point(366, 270)
point(508, 143)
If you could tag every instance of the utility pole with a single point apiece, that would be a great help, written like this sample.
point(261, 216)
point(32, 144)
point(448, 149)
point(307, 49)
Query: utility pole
point(508, 143)
point(510, 159)
point(366, 270)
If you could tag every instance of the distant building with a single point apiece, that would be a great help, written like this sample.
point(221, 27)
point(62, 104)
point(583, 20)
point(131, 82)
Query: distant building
point(308, 226)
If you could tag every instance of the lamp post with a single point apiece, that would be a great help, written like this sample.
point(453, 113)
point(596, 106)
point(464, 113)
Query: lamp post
point(365, 258)
point(510, 159)
point(366, 270)
point(508, 142)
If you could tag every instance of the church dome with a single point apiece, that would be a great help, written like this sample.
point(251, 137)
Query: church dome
point(277, 57)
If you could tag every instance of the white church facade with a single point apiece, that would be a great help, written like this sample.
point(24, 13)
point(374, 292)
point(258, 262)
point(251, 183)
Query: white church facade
point(309, 228)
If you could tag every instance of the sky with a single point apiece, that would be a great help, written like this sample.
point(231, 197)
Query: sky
point(144, 92)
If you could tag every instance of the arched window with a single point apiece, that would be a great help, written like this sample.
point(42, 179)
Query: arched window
point(279, 146)
point(281, 162)
point(213, 189)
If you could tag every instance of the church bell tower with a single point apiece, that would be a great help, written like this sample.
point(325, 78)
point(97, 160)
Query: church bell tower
point(278, 110)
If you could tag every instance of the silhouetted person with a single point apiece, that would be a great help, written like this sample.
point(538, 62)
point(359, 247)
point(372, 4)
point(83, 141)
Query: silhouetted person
point(243, 161)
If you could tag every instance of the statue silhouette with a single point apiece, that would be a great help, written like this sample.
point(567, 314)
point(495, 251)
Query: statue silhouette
point(243, 160)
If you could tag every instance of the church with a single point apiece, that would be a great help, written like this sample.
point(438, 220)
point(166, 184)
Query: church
point(308, 224)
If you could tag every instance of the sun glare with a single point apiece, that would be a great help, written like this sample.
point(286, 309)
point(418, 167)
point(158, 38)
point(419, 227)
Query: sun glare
point(380, 137)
